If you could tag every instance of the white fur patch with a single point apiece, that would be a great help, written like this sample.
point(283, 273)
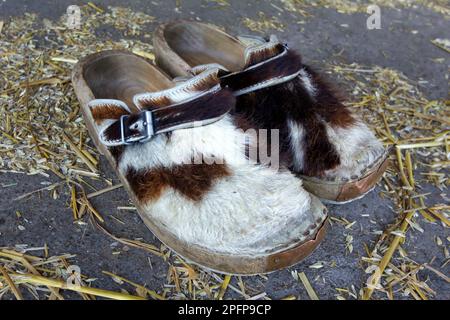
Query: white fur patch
point(307, 82)
point(357, 147)
point(296, 135)
point(250, 212)
point(221, 140)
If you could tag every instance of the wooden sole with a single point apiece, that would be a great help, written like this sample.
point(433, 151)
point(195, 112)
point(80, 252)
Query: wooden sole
point(336, 192)
point(181, 45)
point(270, 261)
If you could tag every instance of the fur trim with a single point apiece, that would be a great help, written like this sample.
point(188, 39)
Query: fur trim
point(187, 145)
point(205, 67)
point(107, 112)
point(204, 82)
point(261, 52)
point(107, 109)
point(297, 138)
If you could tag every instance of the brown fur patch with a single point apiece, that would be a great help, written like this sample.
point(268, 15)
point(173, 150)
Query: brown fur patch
point(105, 112)
point(272, 107)
point(329, 102)
point(241, 122)
point(191, 180)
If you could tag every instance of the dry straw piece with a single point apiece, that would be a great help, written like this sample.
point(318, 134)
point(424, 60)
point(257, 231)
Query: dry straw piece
point(20, 271)
point(311, 293)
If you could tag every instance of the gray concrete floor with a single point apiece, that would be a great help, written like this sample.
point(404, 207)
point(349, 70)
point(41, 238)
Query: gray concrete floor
point(319, 38)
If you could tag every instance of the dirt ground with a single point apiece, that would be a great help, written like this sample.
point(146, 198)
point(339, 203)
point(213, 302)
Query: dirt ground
point(322, 36)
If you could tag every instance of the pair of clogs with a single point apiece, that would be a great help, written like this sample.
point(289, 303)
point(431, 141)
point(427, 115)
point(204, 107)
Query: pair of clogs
point(228, 146)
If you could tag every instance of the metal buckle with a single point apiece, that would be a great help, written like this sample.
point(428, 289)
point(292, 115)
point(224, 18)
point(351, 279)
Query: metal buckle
point(148, 125)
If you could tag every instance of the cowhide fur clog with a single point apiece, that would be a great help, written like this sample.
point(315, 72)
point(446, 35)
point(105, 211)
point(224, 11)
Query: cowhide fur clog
point(337, 156)
point(165, 140)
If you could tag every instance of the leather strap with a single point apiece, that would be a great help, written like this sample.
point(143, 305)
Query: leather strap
point(276, 70)
point(279, 68)
point(197, 102)
point(141, 127)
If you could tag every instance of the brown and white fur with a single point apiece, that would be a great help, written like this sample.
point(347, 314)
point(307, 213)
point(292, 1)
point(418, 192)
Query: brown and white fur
point(231, 207)
point(319, 134)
